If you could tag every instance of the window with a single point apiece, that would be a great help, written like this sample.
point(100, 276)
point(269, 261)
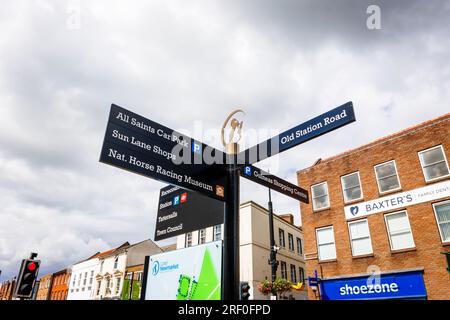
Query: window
point(116, 262)
point(218, 232)
point(91, 279)
point(434, 164)
point(85, 279)
point(202, 236)
point(399, 231)
point(283, 270)
point(442, 212)
point(320, 196)
point(99, 284)
point(325, 243)
point(74, 280)
point(101, 265)
point(108, 282)
point(299, 246)
point(188, 240)
point(301, 274)
point(293, 274)
point(291, 241)
point(79, 279)
point(360, 237)
point(387, 176)
point(351, 187)
point(281, 237)
point(118, 285)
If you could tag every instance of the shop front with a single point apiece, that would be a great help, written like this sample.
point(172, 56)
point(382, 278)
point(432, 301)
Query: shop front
point(386, 285)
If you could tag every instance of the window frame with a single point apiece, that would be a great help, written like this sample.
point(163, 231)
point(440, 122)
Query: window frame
point(318, 246)
point(293, 268)
point(312, 196)
point(351, 239)
point(437, 221)
point(188, 235)
point(389, 233)
point(215, 228)
point(281, 231)
point(291, 237)
point(360, 187)
point(301, 274)
point(396, 173)
point(422, 164)
point(299, 241)
point(200, 237)
point(283, 263)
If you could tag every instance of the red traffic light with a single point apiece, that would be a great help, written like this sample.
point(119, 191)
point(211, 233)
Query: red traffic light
point(32, 266)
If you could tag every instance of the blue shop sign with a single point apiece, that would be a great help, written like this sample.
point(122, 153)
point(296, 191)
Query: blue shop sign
point(384, 286)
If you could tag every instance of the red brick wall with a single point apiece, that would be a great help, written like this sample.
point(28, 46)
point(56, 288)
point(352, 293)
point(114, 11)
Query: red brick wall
point(60, 286)
point(403, 149)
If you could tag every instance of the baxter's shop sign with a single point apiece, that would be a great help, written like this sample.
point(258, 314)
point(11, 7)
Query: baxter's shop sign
point(408, 284)
point(399, 200)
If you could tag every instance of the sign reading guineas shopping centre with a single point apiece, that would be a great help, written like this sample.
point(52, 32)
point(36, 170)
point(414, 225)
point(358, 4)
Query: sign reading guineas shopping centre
point(398, 200)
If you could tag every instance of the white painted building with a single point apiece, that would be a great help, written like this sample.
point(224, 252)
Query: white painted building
point(81, 284)
point(255, 248)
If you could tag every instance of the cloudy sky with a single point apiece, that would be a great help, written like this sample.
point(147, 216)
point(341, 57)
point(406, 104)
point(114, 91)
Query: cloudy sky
point(187, 64)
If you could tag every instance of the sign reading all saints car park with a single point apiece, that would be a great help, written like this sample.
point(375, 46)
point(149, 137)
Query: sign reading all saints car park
point(182, 211)
point(398, 200)
point(145, 147)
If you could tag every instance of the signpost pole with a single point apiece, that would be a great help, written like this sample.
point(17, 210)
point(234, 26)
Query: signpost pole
point(230, 272)
point(273, 253)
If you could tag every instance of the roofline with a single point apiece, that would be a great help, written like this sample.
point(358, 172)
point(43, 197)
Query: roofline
point(393, 136)
point(251, 202)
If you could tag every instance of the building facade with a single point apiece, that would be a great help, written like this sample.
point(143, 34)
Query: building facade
point(45, 284)
point(255, 248)
point(110, 273)
point(7, 289)
point(132, 283)
point(81, 283)
point(60, 285)
point(378, 223)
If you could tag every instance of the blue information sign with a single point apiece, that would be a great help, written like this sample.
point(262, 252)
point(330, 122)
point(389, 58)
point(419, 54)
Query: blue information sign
point(408, 284)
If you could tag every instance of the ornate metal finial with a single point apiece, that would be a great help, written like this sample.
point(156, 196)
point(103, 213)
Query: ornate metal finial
point(235, 125)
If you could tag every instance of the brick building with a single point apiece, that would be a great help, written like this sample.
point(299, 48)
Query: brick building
point(60, 285)
point(7, 289)
point(45, 284)
point(378, 223)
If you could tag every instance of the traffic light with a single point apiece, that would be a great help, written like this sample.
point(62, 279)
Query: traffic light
point(245, 290)
point(27, 277)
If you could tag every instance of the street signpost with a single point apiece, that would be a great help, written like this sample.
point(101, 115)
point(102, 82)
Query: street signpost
point(275, 183)
point(145, 147)
point(177, 207)
point(304, 132)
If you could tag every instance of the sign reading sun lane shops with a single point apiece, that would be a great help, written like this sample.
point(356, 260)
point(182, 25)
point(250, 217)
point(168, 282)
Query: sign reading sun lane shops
point(177, 208)
point(398, 200)
point(142, 146)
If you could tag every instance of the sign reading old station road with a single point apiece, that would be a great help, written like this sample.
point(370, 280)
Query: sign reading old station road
point(273, 182)
point(306, 131)
point(149, 149)
point(181, 211)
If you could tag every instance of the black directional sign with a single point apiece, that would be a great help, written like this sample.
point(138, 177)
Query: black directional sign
point(306, 131)
point(142, 146)
point(181, 211)
point(275, 183)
